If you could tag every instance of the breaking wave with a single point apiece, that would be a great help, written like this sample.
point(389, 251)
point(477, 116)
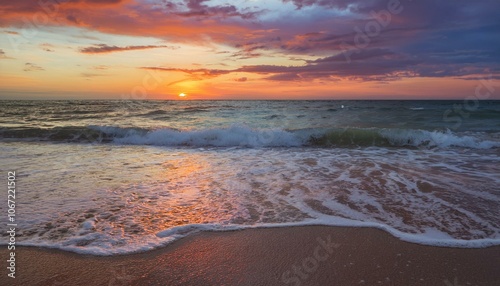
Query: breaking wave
point(243, 136)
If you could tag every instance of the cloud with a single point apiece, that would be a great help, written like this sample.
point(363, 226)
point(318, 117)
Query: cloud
point(247, 51)
point(103, 48)
point(28, 67)
point(101, 67)
point(368, 65)
point(205, 73)
point(447, 38)
point(241, 79)
point(47, 47)
point(338, 4)
point(52, 7)
point(3, 55)
point(91, 75)
point(197, 8)
point(181, 21)
point(357, 55)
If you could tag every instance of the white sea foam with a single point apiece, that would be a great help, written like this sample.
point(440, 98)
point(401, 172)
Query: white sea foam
point(435, 139)
point(106, 247)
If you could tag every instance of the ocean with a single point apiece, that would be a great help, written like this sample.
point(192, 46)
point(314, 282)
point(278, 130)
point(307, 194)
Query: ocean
point(116, 177)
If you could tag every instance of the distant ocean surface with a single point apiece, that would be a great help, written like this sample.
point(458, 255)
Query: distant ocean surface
point(115, 177)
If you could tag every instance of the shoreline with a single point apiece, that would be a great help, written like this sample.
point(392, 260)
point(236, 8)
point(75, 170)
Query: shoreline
point(298, 255)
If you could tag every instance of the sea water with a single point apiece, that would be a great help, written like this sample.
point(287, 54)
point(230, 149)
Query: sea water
point(115, 177)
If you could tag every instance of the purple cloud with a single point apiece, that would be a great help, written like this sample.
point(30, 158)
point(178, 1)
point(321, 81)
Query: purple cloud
point(103, 48)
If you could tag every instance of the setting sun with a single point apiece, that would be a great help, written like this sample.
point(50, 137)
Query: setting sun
point(182, 94)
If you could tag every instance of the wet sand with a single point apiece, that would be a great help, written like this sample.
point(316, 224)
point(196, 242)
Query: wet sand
point(312, 255)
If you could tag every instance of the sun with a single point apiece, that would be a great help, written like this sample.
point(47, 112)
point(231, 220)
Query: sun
point(182, 94)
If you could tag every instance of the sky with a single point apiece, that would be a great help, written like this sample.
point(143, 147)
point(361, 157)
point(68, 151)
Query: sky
point(249, 49)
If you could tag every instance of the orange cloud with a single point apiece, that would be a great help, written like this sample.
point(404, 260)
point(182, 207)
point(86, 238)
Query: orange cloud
point(126, 17)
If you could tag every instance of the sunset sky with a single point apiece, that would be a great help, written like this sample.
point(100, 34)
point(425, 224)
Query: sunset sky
point(249, 49)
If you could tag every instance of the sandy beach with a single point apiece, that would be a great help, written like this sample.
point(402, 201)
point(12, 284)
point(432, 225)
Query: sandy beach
point(313, 255)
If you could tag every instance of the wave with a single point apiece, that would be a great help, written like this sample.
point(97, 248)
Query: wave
point(244, 136)
point(400, 138)
point(65, 134)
